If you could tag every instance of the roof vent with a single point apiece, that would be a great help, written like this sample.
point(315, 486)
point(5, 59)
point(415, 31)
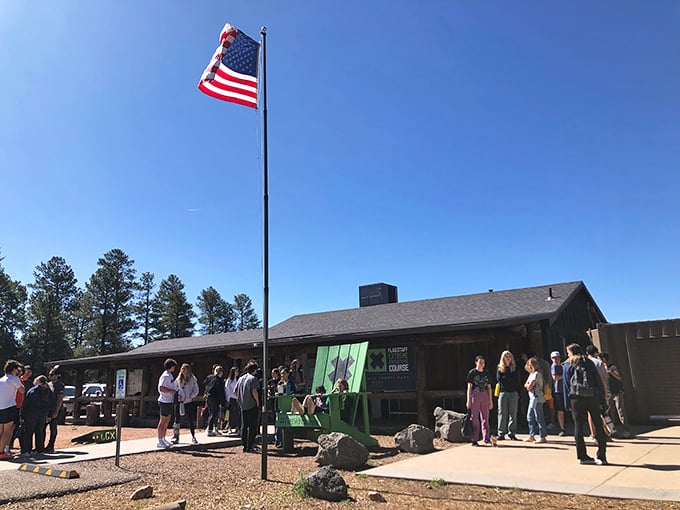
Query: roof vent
point(550, 294)
point(377, 294)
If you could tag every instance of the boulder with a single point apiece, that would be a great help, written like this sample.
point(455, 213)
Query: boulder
point(326, 483)
point(447, 425)
point(341, 451)
point(415, 439)
point(143, 492)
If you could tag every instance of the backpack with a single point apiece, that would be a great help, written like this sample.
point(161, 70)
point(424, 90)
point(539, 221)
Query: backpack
point(580, 384)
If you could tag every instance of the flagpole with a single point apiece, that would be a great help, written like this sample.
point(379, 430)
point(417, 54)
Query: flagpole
point(265, 314)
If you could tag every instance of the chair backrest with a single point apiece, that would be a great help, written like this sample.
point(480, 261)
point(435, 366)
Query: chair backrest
point(334, 362)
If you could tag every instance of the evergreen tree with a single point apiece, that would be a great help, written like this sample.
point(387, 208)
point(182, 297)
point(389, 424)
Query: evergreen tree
point(143, 308)
point(12, 307)
point(246, 318)
point(108, 304)
point(216, 315)
point(172, 313)
point(51, 312)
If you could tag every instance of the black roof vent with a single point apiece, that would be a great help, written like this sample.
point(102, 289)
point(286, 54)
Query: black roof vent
point(377, 294)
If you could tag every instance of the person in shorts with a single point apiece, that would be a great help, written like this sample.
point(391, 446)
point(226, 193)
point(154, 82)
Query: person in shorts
point(557, 373)
point(10, 384)
point(166, 398)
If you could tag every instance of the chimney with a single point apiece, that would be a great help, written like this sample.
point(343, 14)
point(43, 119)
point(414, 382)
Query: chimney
point(377, 294)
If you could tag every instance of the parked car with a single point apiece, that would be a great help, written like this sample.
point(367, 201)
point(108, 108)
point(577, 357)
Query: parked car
point(94, 390)
point(69, 396)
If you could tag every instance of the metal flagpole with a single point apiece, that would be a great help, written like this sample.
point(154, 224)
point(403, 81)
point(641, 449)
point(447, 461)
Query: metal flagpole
point(265, 311)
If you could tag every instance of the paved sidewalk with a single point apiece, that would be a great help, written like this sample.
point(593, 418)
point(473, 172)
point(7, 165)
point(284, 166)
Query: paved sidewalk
point(83, 452)
point(646, 467)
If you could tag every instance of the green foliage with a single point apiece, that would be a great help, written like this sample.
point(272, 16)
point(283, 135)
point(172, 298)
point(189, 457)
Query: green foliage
point(107, 310)
point(246, 318)
point(302, 487)
point(438, 482)
point(216, 315)
point(12, 314)
point(172, 313)
point(52, 324)
point(144, 304)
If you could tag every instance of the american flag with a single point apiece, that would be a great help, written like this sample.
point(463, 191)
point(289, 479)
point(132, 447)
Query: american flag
point(232, 72)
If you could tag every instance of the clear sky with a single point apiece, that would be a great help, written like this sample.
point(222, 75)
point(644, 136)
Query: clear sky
point(445, 147)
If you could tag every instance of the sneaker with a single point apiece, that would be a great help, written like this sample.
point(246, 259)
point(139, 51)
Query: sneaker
point(487, 443)
point(541, 440)
point(551, 426)
point(592, 439)
point(211, 433)
point(49, 450)
point(530, 439)
point(6, 456)
point(562, 433)
point(513, 437)
point(474, 443)
point(601, 462)
point(161, 444)
point(194, 440)
point(174, 440)
point(587, 460)
point(500, 437)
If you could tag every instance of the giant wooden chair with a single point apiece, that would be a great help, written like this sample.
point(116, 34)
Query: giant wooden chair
point(332, 363)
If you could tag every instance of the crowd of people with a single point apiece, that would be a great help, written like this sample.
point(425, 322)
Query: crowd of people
point(29, 406)
point(586, 384)
point(232, 402)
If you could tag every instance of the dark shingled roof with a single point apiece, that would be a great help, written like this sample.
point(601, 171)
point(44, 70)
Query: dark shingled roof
point(488, 309)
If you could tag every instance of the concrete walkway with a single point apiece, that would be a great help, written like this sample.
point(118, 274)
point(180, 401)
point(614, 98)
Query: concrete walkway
point(83, 452)
point(646, 467)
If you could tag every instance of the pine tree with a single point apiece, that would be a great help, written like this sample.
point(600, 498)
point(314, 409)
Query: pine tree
point(12, 308)
point(216, 315)
point(51, 312)
point(246, 318)
point(109, 304)
point(172, 313)
point(144, 304)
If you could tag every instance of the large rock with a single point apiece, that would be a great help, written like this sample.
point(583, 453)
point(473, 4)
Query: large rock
point(447, 425)
point(415, 439)
point(341, 451)
point(326, 483)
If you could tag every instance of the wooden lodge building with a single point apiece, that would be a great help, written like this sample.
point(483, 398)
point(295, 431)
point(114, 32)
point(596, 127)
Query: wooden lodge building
point(419, 354)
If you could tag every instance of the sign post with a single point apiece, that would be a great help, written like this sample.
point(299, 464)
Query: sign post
point(121, 376)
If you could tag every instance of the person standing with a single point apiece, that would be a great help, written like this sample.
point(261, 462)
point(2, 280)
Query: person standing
point(232, 403)
point(248, 398)
point(298, 377)
point(187, 391)
point(557, 374)
point(616, 404)
point(593, 355)
point(37, 406)
point(535, 418)
point(57, 387)
point(166, 397)
point(216, 399)
point(585, 391)
point(479, 401)
point(10, 384)
point(507, 377)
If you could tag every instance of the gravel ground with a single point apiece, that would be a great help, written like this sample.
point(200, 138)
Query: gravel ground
point(228, 478)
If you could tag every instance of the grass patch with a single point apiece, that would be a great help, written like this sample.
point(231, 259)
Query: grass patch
point(302, 488)
point(438, 482)
point(362, 475)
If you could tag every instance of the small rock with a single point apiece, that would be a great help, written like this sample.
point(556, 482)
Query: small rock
point(376, 496)
point(415, 439)
point(143, 492)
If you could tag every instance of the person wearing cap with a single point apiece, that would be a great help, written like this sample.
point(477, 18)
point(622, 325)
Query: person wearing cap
point(58, 388)
point(557, 372)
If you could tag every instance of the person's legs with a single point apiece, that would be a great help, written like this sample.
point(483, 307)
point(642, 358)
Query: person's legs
point(600, 435)
point(165, 412)
point(474, 410)
point(531, 417)
point(5, 434)
point(214, 410)
point(513, 403)
point(296, 406)
point(580, 416)
point(309, 405)
point(484, 416)
point(620, 411)
point(190, 411)
point(540, 422)
point(503, 409)
point(53, 434)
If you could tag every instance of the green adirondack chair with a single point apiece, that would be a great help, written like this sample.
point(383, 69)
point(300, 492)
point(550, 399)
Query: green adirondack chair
point(332, 363)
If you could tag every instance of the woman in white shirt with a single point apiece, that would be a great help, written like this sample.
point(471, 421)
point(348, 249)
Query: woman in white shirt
point(187, 391)
point(232, 403)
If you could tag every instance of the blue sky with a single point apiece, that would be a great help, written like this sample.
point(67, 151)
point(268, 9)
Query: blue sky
point(443, 147)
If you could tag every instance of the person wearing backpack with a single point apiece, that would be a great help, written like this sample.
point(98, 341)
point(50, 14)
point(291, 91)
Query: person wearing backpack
point(586, 393)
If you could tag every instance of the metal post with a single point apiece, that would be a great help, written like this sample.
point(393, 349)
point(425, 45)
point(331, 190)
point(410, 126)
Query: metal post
point(265, 313)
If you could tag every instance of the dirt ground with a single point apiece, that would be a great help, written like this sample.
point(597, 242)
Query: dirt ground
point(227, 478)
